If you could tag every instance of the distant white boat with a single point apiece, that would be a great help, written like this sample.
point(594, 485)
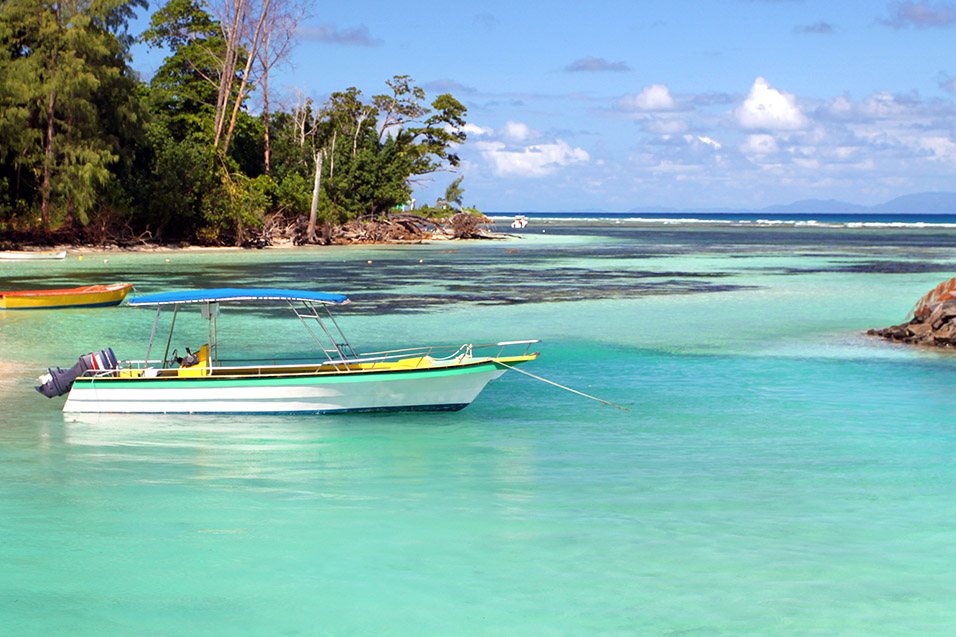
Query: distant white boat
point(520, 221)
point(23, 255)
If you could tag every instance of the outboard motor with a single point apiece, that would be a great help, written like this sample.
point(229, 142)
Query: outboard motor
point(59, 382)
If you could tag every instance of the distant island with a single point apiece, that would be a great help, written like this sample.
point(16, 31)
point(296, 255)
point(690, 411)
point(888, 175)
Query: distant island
point(918, 203)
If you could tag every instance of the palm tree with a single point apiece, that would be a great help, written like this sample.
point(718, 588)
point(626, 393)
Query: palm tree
point(454, 192)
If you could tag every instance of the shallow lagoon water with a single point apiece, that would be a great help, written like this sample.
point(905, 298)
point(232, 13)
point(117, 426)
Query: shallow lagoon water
point(779, 473)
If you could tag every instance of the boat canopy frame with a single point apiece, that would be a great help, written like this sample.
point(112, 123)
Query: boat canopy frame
point(210, 300)
point(338, 355)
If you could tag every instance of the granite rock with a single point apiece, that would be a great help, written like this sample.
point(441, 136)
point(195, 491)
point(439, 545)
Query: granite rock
point(937, 328)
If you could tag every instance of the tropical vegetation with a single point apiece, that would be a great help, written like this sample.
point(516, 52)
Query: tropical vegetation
point(197, 153)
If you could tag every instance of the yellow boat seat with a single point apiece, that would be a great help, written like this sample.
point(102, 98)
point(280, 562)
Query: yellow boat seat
point(417, 361)
point(199, 369)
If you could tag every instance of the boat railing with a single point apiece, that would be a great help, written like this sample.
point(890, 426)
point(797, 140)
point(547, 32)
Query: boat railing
point(140, 363)
point(416, 356)
point(423, 356)
point(449, 352)
point(123, 365)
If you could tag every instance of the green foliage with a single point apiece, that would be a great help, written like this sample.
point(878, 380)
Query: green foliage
point(293, 195)
point(184, 87)
point(454, 192)
point(181, 178)
point(220, 198)
point(227, 219)
point(289, 154)
point(66, 102)
point(371, 181)
point(247, 145)
point(441, 133)
point(82, 140)
point(375, 151)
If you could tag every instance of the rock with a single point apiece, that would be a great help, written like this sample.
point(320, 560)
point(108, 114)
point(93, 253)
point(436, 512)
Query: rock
point(941, 313)
point(932, 325)
point(920, 330)
point(947, 332)
point(939, 333)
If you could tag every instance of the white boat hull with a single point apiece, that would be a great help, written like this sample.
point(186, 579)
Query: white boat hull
point(437, 389)
point(32, 256)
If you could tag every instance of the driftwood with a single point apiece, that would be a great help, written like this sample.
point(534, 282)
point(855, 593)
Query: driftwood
point(115, 230)
point(393, 227)
point(109, 228)
point(468, 226)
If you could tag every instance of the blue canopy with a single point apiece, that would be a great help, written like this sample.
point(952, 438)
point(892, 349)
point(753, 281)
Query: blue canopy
point(237, 294)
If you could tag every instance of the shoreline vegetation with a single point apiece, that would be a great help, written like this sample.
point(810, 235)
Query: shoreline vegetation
point(277, 232)
point(205, 152)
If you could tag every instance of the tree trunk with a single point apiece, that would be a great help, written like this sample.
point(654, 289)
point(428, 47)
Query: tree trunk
point(253, 51)
point(358, 129)
point(335, 134)
point(313, 211)
point(240, 233)
point(47, 187)
point(265, 118)
point(232, 35)
point(48, 161)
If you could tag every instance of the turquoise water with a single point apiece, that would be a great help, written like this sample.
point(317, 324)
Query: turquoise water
point(779, 473)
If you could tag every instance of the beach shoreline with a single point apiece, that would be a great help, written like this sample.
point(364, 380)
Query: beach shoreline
point(400, 229)
point(179, 247)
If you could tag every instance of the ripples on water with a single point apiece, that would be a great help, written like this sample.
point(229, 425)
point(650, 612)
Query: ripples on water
point(779, 472)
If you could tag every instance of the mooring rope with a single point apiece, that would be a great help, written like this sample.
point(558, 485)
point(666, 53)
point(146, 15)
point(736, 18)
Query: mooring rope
point(551, 382)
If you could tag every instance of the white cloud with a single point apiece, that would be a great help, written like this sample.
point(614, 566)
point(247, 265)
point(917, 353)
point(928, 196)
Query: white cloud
point(521, 151)
point(882, 105)
point(709, 141)
point(841, 107)
point(699, 142)
point(665, 125)
point(474, 130)
point(885, 105)
point(516, 131)
point(807, 163)
point(673, 168)
point(759, 145)
point(766, 143)
point(769, 109)
point(536, 160)
point(844, 153)
point(656, 97)
point(942, 148)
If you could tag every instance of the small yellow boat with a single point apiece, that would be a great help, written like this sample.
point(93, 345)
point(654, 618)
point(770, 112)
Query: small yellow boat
point(86, 296)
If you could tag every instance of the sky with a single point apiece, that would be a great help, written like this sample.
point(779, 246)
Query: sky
point(617, 105)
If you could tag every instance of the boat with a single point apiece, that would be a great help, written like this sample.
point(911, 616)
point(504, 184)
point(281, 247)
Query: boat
point(25, 255)
point(520, 221)
point(86, 296)
point(332, 378)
